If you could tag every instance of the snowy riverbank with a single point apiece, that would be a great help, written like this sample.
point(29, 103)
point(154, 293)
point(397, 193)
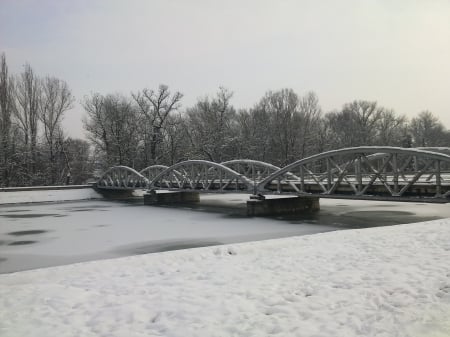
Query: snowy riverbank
point(22, 195)
point(388, 281)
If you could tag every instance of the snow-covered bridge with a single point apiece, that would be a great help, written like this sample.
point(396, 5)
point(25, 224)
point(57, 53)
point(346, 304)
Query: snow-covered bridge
point(359, 172)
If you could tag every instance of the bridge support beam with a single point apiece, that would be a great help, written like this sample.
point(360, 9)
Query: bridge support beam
point(289, 205)
point(170, 197)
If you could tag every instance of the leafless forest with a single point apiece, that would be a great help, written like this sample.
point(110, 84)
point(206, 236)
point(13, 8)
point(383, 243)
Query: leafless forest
point(152, 126)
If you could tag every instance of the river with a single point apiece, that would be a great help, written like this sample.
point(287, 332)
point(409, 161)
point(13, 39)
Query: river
point(51, 234)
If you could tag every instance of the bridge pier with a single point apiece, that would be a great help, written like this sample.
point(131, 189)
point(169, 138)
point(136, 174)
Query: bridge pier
point(277, 206)
point(170, 197)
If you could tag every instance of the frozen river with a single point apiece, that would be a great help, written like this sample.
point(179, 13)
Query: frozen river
point(41, 235)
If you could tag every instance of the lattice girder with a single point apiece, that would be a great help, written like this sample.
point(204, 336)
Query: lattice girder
point(252, 169)
point(122, 178)
point(202, 175)
point(364, 171)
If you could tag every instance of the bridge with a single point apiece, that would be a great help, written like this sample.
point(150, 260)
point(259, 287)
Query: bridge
point(378, 173)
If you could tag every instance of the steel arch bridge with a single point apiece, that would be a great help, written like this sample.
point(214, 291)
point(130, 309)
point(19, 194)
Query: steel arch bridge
point(360, 173)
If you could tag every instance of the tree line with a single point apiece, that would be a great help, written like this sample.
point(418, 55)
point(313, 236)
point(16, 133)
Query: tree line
point(34, 149)
point(151, 127)
point(148, 127)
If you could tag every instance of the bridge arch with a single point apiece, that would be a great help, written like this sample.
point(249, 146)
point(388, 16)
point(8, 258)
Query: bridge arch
point(254, 170)
point(201, 175)
point(152, 171)
point(367, 170)
point(122, 178)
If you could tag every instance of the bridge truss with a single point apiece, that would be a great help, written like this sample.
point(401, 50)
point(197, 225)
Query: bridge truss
point(365, 171)
point(360, 172)
point(202, 175)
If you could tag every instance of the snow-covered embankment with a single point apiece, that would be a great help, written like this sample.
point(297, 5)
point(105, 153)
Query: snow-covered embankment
point(22, 195)
point(387, 281)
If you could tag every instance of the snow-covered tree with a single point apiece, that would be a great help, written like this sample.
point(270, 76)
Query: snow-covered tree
point(156, 109)
point(212, 128)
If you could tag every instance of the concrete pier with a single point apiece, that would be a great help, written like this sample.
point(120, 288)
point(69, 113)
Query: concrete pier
point(276, 206)
point(170, 197)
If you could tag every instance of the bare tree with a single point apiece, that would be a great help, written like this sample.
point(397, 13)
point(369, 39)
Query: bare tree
point(310, 114)
point(28, 97)
point(254, 135)
point(427, 130)
point(364, 116)
point(355, 124)
point(281, 128)
point(156, 106)
point(55, 101)
point(282, 110)
point(175, 144)
point(113, 126)
point(391, 128)
point(212, 128)
point(78, 160)
point(96, 122)
point(6, 109)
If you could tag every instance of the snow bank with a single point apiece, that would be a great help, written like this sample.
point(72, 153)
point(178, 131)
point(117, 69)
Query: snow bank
point(47, 194)
point(388, 281)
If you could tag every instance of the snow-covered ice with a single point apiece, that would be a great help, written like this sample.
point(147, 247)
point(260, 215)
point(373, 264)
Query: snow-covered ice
point(50, 234)
point(62, 233)
point(385, 281)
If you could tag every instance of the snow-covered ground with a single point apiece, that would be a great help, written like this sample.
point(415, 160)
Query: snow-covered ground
point(385, 281)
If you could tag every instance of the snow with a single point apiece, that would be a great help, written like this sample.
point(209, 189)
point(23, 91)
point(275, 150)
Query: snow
point(385, 281)
point(54, 194)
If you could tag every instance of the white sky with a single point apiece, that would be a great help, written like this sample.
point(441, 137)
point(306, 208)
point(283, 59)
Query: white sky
point(394, 52)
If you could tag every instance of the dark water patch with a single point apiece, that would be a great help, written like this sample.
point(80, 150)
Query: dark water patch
point(3, 259)
point(235, 215)
point(355, 219)
point(98, 206)
point(22, 242)
point(28, 232)
point(103, 225)
point(88, 208)
point(379, 214)
point(17, 210)
point(188, 246)
point(130, 201)
point(384, 205)
point(27, 216)
point(165, 247)
point(2, 242)
point(233, 211)
point(59, 215)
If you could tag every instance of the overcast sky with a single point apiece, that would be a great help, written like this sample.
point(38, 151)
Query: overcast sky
point(394, 52)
